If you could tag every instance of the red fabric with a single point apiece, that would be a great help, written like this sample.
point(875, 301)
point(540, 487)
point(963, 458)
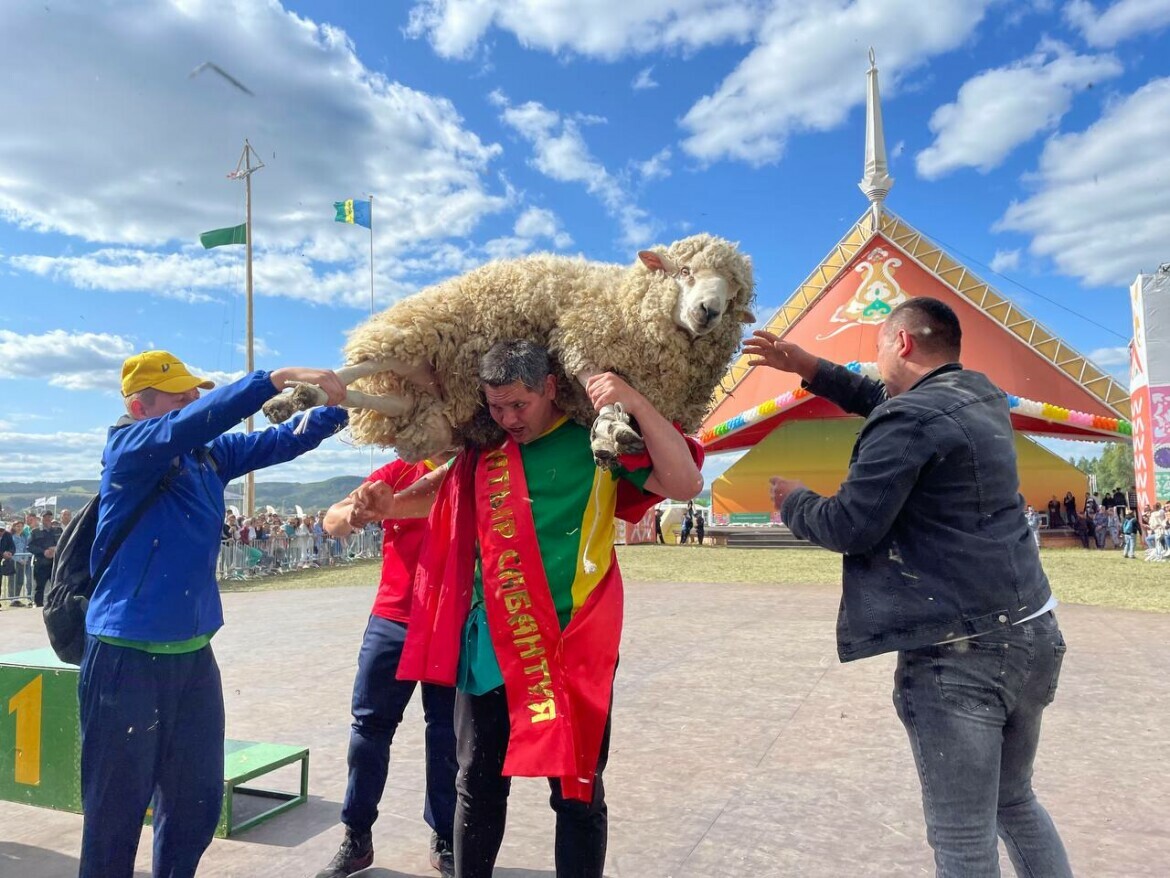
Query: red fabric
point(632, 503)
point(401, 543)
point(442, 585)
point(558, 684)
point(443, 581)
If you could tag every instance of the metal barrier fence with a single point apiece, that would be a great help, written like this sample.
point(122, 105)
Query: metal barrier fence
point(280, 554)
point(18, 586)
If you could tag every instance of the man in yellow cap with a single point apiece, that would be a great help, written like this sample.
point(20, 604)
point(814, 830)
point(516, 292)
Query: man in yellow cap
point(152, 719)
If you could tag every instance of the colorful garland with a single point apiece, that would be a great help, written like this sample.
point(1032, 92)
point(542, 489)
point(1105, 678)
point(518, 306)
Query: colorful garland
point(1044, 411)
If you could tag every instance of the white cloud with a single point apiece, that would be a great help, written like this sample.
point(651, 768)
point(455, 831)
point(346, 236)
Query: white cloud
point(1121, 20)
point(536, 223)
point(1116, 356)
point(260, 346)
point(606, 29)
point(657, 167)
point(192, 275)
point(807, 71)
point(52, 456)
point(999, 109)
point(1099, 210)
point(72, 360)
point(644, 80)
point(113, 79)
point(1005, 260)
point(79, 360)
point(560, 153)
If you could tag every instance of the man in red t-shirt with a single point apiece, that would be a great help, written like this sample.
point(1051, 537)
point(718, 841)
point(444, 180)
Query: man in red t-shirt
point(380, 698)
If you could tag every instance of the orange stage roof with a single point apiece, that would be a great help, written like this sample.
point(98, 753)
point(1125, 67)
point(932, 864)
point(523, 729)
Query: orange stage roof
point(837, 312)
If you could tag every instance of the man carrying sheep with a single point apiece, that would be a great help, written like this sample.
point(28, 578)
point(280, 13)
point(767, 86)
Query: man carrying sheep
point(522, 609)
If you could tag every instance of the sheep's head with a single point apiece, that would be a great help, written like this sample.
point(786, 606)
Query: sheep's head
point(714, 282)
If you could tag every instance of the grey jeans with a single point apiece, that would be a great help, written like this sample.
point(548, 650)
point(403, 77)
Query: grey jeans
point(972, 710)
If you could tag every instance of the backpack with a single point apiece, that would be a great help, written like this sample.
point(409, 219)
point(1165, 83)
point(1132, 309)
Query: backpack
point(71, 585)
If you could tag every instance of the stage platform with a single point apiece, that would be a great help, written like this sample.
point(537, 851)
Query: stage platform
point(741, 747)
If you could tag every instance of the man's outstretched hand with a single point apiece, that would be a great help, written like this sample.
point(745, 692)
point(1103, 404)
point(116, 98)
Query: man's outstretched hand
point(766, 349)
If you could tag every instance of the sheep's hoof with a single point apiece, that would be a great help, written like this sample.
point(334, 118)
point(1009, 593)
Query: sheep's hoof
point(280, 408)
point(612, 436)
point(304, 396)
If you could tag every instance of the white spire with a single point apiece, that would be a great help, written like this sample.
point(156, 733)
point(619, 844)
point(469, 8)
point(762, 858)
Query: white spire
point(876, 182)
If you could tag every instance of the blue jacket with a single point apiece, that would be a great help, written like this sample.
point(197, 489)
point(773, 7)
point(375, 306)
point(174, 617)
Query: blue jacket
point(161, 585)
point(930, 519)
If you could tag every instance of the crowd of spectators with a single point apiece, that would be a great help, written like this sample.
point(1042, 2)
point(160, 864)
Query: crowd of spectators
point(1112, 517)
point(270, 542)
point(265, 543)
point(27, 545)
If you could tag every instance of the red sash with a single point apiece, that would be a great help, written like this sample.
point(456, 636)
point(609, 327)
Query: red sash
point(558, 684)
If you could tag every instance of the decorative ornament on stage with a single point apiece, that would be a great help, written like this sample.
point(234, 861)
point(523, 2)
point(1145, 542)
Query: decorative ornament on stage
point(669, 324)
point(875, 298)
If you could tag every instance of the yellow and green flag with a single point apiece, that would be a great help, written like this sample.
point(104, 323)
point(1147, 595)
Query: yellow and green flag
point(353, 212)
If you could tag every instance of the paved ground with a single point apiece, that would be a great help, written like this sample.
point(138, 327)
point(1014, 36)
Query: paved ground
point(740, 746)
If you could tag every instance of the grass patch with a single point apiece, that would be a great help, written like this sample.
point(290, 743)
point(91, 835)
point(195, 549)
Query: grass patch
point(1078, 576)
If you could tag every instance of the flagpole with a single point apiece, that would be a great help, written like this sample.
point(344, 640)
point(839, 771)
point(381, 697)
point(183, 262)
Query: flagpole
point(249, 478)
point(371, 255)
point(245, 169)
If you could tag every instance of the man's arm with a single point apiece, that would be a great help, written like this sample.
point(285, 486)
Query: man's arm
point(154, 442)
point(890, 456)
point(238, 453)
point(377, 501)
point(674, 474)
point(849, 390)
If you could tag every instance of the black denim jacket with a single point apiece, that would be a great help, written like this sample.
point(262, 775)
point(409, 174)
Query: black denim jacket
point(930, 519)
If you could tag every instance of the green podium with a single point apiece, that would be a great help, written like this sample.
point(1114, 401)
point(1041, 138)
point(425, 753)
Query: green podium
point(40, 747)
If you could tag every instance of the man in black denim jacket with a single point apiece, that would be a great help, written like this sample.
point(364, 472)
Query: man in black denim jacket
point(939, 565)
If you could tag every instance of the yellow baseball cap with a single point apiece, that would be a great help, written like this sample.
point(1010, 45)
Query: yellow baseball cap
point(160, 370)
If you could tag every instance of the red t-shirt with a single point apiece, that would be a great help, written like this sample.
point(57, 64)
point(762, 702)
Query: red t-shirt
point(401, 543)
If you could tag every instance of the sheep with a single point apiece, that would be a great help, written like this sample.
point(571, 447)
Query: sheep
point(669, 324)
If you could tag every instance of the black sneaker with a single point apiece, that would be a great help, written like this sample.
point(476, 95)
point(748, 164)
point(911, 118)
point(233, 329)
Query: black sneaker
point(442, 856)
point(356, 853)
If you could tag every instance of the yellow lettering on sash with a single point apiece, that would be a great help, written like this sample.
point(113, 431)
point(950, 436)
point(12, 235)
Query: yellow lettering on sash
point(496, 498)
point(543, 711)
point(529, 647)
point(506, 529)
point(509, 558)
point(517, 601)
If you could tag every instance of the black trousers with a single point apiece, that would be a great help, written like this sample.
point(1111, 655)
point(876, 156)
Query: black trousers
point(41, 574)
point(481, 730)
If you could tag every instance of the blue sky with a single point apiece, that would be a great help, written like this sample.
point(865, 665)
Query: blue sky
point(1029, 138)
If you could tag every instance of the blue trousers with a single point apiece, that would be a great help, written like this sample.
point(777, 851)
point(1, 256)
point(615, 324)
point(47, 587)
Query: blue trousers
point(379, 700)
point(151, 727)
point(972, 709)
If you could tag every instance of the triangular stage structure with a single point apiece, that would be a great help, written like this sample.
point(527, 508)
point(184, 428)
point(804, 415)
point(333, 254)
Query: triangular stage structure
point(882, 261)
point(837, 312)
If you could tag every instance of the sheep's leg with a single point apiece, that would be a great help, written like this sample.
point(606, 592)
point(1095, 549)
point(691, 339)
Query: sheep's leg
point(423, 376)
point(614, 432)
point(304, 396)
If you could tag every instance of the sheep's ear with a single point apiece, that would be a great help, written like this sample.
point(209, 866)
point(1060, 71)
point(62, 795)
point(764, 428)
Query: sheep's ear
point(657, 261)
point(746, 315)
